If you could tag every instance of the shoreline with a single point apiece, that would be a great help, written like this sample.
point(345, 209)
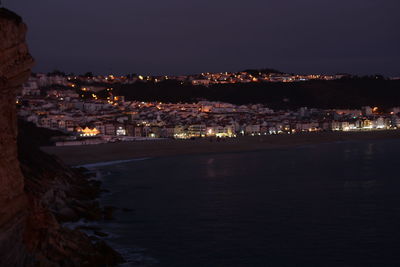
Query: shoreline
point(135, 254)
point(98, 229)
point(95, 165)
point(129, 151)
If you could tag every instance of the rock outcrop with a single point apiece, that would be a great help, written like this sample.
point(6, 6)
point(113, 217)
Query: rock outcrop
point(15, 65)
point(37, 192)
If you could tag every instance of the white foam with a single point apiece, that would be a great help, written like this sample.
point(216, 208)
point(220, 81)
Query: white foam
point(135, 257)
point(108, 163)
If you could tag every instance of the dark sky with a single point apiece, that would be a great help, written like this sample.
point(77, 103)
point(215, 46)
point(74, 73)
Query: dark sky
point(192, 36)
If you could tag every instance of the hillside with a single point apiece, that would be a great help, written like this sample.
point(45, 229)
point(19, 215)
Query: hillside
point(344, 93)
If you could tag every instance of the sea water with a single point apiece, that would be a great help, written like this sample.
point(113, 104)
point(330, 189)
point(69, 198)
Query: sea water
point(319, 205)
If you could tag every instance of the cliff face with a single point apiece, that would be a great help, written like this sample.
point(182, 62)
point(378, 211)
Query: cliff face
point(14, 70)
point(37, 192)
point(15, 65)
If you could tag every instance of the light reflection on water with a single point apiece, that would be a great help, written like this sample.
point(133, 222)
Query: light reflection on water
point(322, 205)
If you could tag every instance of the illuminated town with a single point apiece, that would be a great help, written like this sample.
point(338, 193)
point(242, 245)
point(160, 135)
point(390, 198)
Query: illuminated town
point(86, 118)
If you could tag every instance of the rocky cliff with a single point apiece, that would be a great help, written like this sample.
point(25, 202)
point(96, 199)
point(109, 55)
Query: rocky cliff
point(15, 65)
point(37, 192)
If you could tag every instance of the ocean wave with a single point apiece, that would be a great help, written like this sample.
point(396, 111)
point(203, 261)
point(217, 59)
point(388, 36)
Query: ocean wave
point(74, 225)
point(135, 257)
point(108, 163)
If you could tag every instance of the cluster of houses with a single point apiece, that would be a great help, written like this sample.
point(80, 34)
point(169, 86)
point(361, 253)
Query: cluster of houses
point(87, 121)
point(207, 79)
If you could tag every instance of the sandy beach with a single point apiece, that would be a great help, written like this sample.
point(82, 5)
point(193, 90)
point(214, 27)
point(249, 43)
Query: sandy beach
point(78, 155)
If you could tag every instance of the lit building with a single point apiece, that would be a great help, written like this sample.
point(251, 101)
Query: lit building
point(87, 132)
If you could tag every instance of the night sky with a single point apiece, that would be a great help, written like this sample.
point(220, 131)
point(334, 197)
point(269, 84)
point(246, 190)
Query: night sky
point(183, 36)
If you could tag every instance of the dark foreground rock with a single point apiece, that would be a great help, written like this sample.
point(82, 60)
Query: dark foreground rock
point(62, 194)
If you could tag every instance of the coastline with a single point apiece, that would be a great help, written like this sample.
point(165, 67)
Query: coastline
point(98, 229)
point(94, 166)
point(66, 195)
point(132, 187)
point(92, 154)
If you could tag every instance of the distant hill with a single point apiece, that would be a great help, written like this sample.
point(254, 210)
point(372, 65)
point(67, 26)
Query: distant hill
point(344, 93)
point(256, 72)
